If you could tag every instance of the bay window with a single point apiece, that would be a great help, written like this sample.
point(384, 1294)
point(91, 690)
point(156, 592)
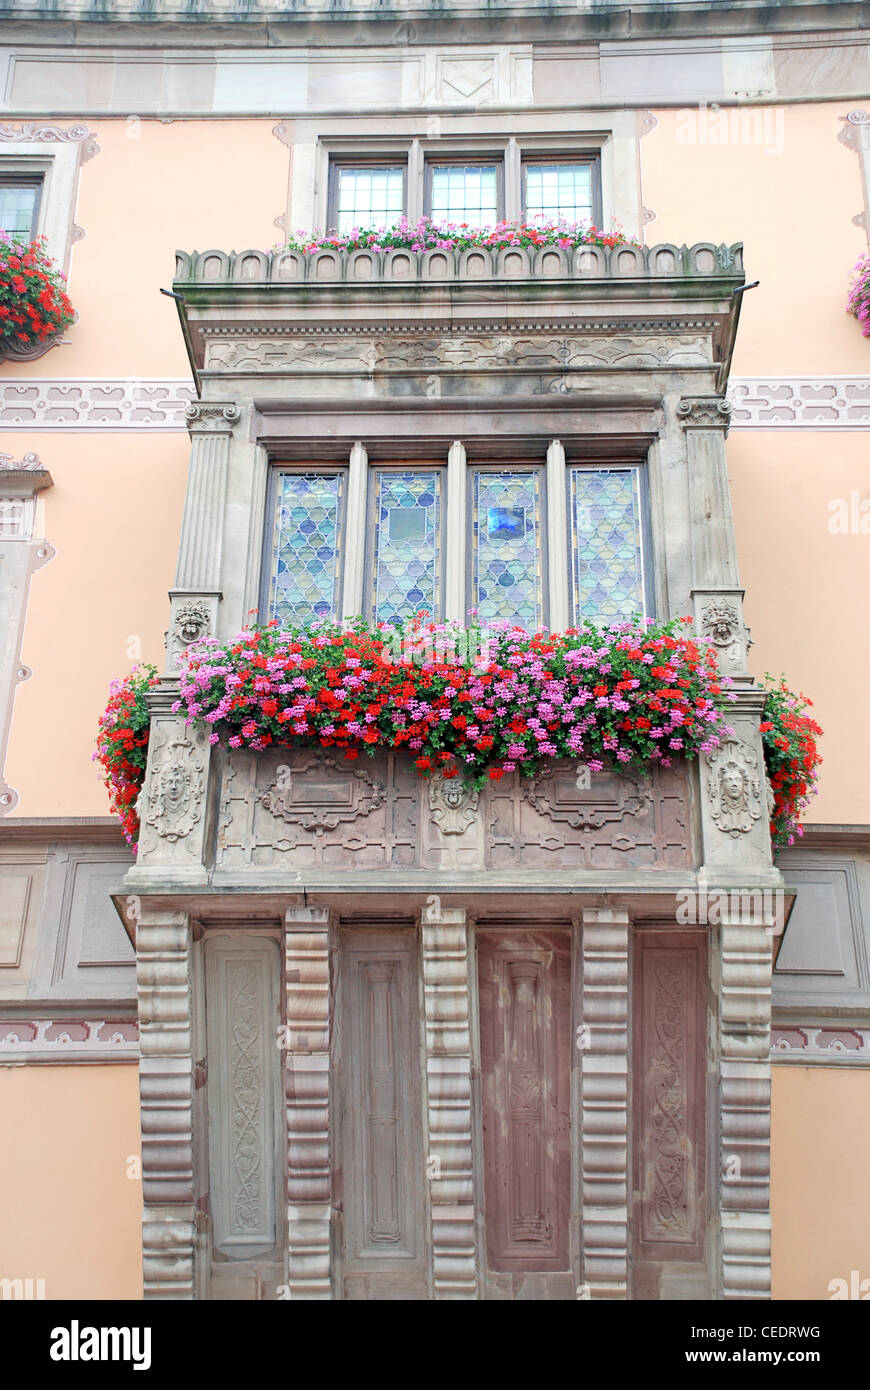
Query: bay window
point(527, 542)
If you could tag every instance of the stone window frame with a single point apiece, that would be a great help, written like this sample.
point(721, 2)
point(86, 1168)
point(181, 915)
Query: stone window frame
point(609, 138)
point(57, 164)
point(337, 162)
point(537, 157)
point(553, 458)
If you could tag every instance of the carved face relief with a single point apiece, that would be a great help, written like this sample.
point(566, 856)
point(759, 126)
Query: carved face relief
point(720, 623)
point(734, 787)
point(452, 804)
point(175, 792)
point(191, 622)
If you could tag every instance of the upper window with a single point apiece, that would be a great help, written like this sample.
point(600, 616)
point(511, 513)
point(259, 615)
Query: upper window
point(607, 550)
point(365, 195)
point(464, 193)
point(506, 553)
point(554, 191)
point(405, 544)
point(19, 206)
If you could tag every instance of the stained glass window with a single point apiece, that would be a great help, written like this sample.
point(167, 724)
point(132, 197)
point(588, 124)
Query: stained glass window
point(506, 579)
point(465, 193)
point(406, 568)
point(368, 197)
point(306, 547)
point(19, 201)
point(554, 191)
point(606, 543)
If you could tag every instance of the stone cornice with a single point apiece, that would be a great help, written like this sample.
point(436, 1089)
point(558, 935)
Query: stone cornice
point(410, 22)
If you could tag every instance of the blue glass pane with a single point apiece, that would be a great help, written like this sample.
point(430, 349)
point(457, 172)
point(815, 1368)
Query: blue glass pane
point(407, 545)
point(606, 543)
point(506, 547)
point(306, 569)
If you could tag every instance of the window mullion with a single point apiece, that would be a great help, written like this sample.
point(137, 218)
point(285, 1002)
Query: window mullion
point(355, 533)
point(455, 545)
point(557, 537)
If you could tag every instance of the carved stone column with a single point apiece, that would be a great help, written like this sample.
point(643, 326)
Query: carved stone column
point(198, 576)
point(309, 1176)
point(447, 1008)
point(166, 1100)
point(744, 1071)
point(174, 803)
point(604, 1103)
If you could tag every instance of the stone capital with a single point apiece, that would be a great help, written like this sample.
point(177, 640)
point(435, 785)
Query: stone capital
point(212, 417)
point(704, 412)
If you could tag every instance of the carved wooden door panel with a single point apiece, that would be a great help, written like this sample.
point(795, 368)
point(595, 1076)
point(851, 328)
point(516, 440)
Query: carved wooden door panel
point(380, 1185)
point(525, 1036)
point(670, 1116)
point(245, 1242)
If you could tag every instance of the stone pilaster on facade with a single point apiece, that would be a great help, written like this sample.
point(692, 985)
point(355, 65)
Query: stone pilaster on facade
point(308, 1034)
point(197, 592)
point(604, 1103)
point(166, 1100)
point(744, 1074)
point(447, 1006)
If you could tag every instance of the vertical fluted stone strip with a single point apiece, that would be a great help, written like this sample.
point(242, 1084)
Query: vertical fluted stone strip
point(714, 550)
point(309, 1182)
point(166, 1101)
point(744, 1071)
point(199, 553)
point(604, 1103)
point(448, 1079)
point(454, 580)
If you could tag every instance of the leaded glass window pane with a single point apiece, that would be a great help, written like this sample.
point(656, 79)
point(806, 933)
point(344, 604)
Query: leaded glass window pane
point(506, 579)
point(559, 191)
point(369, 197)
point(18, 203)
point(606, 543)
point(306, 547)
point(406, 570)
point(465, 193)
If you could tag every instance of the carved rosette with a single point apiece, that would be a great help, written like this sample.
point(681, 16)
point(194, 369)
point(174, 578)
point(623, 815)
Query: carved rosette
point(734, 788)
point(452, 805)
point(704, 412)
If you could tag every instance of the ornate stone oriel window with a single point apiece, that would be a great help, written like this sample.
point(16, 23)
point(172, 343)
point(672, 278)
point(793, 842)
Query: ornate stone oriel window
point(562, 188)
point(397, 520)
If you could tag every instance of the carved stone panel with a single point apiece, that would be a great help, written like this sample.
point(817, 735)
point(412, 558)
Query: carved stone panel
point(562, 818)
point(312, 809)
point(669, 1100)
point(381, 1146)
point(525, 1035)
point(242, 1015)
point(734, 787)
point(173, 801)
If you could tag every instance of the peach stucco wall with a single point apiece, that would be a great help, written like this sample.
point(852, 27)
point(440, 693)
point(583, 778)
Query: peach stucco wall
point(792, 208)
point(820, 1150)
point(69, 1212)
point(113, 517)
point(806, 591)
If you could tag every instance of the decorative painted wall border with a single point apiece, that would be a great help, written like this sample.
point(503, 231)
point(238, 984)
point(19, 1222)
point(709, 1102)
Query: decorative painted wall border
point(830, 1045)
point(68, 1040)
point(795, 402)
point(95, 403)
point(121, 404)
